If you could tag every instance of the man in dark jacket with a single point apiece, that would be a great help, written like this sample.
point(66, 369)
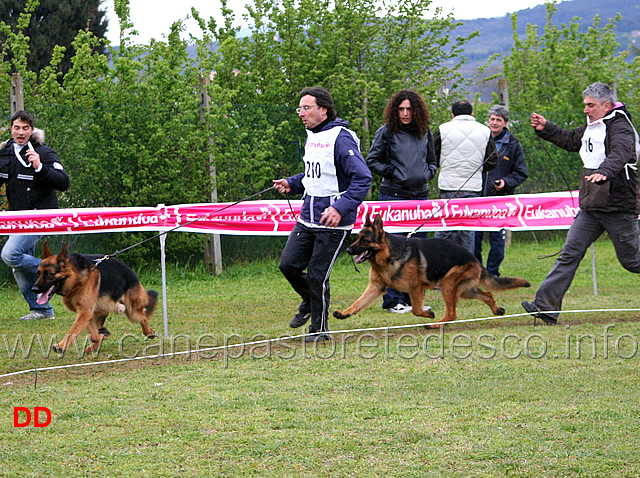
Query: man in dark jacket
point(609, 149)
point(335, 181)
point(510, 172)
point(32, 173)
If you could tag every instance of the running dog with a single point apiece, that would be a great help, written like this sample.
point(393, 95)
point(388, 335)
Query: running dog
point(93, 291)
point(414, 264)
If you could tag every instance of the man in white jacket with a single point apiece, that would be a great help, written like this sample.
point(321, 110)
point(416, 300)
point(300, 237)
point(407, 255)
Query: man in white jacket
point(464, 150)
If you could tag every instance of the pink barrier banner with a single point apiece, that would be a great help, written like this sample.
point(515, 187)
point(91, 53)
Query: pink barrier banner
point(277, 218)
point(82, 220)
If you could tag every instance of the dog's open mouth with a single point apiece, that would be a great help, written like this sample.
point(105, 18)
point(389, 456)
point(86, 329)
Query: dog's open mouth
point(46, 296)
point(363, 256)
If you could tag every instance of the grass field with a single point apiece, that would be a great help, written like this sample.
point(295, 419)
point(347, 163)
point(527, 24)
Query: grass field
point(485, 398)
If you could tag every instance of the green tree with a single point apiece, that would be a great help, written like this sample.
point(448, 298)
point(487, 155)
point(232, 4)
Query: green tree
point(54, 22)
point(363, 51)
point(128, 126)
point(547, 73)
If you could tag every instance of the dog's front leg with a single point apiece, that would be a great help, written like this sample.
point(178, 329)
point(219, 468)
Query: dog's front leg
point(97, 333)
point(374, 290)
point(64, 344)
point(82, 320)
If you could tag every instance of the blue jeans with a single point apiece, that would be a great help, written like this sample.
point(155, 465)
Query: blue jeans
point(496, 250)
point(394, 297)
point(18, 253)
point(465, 238)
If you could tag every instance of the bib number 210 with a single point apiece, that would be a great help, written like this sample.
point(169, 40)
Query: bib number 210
point(313, 170)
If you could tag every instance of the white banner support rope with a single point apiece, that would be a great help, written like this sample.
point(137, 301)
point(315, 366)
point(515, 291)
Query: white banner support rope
point(268, 341)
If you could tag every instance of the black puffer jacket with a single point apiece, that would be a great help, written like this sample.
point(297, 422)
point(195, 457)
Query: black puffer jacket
point(619, 193)
point(26, 189)
point(405, 161)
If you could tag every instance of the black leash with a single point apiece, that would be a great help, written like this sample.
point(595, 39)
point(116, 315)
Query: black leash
point(446, 201)
point(455, 194)
point(290, 206)
point(566, 183)
point(199, 218)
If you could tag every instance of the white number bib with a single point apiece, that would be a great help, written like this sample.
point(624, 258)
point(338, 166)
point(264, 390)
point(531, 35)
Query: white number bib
point(592, 150)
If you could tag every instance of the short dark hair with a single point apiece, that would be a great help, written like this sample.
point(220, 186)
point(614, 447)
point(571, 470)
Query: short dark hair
point(419, 112)
point(462, 107)
point(323, 99)
point(22, 115)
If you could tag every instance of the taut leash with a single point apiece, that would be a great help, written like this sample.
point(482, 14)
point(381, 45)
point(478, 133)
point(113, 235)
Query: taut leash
point(199, 218)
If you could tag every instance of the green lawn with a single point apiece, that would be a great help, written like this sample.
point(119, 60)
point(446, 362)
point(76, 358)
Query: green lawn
point(485, 398)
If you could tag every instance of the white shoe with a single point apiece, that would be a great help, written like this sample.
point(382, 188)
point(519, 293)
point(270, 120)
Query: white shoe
point(35, 315)
point(400, 308)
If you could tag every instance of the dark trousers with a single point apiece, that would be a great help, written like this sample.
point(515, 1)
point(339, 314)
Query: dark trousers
point(306, 262)
point(496, 250)
point(585, 229)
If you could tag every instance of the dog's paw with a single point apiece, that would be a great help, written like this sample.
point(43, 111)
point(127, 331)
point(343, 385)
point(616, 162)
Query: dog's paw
point(338, 314)
point(152, 335)
point(500, 311)
point(57, 349)
point(104, 331)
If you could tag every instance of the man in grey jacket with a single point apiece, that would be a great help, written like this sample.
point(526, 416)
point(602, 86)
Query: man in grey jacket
point(464, 150)
point(609, 149)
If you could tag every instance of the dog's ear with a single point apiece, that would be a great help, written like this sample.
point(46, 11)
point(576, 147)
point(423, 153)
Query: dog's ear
point(46, 252)
point(367, 221)
point(64, 253)
point(378, 230)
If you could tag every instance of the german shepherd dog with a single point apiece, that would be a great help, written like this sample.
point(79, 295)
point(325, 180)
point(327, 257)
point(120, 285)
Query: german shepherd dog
point(414, 264)
point(93, 292)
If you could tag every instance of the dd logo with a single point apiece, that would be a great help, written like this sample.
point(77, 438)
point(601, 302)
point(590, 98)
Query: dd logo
point(36, 417)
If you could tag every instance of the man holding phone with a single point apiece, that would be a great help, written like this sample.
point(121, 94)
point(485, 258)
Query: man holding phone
point(32, 173)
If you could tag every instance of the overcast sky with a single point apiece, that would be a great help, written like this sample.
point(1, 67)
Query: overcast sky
point(153, 18)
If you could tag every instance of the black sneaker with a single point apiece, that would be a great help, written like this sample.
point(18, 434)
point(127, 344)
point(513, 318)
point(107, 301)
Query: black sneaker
point(319, 337)
point(533, 310)
point(299, 319)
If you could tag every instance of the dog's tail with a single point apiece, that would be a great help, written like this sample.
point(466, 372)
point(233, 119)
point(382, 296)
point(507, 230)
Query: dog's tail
point(490, 282)
point(152, 302)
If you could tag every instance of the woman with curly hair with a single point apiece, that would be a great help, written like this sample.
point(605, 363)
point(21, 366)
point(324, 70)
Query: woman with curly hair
point(402, 153)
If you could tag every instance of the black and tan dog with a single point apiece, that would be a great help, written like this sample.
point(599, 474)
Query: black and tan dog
point(414, 264)
point(93, 292)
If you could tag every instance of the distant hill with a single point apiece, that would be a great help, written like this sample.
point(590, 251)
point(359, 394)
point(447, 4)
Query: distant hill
point(496, 34)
